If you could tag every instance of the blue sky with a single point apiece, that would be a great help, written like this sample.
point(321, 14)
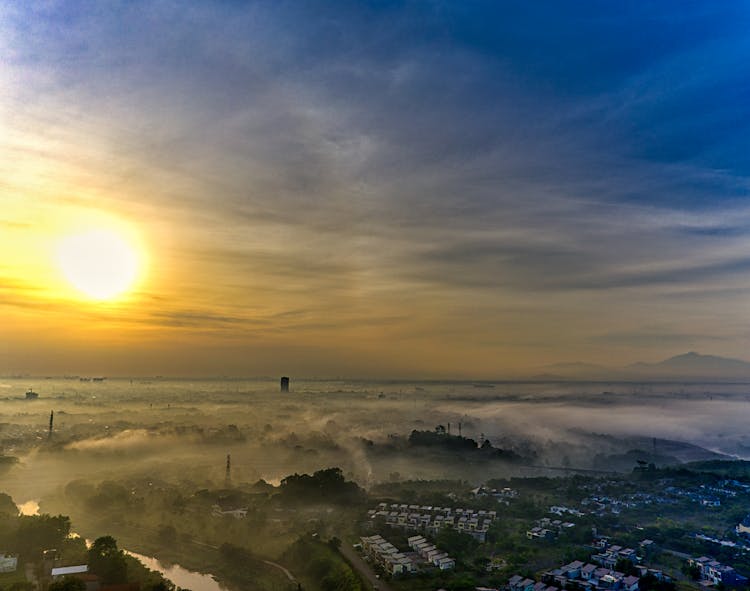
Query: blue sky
point(500, 184)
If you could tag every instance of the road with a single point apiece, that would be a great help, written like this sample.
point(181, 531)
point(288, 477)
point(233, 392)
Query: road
point(363, 568)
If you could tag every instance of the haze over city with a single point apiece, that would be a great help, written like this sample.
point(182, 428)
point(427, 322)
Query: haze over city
point(374, 295)
point(421, 190)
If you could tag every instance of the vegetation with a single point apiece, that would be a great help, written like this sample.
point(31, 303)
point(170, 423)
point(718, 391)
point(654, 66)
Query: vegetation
point(29, 536)
point(320, 566)
point(324, 486)
point(67, 584)
point(107, 561)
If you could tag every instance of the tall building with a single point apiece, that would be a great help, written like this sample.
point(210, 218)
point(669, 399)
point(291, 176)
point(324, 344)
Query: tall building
point(285, 384)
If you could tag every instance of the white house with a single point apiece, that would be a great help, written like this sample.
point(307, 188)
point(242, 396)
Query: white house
point(8, 564)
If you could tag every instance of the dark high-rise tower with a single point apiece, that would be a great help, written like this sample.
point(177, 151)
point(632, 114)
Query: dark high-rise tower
point(285, 384)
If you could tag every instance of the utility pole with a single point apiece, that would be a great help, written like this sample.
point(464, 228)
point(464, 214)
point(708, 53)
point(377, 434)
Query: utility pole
point(51, 420)
point(229, 470)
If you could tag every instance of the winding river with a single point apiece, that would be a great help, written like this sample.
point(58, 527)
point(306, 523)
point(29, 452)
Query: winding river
point(180, 576)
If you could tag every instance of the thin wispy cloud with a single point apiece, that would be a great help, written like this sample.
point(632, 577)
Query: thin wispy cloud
point(368, 163)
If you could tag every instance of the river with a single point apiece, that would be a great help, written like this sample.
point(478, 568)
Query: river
point(178, 575)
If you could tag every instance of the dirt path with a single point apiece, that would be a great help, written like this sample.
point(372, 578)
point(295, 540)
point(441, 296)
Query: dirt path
point(289, 575)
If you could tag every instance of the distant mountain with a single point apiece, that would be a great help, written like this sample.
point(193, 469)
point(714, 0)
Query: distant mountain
point(688, 366)
point(577, 370)
point(693, 365)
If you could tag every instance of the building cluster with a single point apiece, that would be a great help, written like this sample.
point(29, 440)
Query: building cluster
point(519, 583)
point(713, 572)
point(602, 504)
point(387, 556)
point(561, 510)
point(430, 553)
point(598, 575)
point(705, 496)
point(610, 554)
point(502, 495)
point(240, 513)
point(394, 562)
point(431, 520)
point(585, 577)
point(722, 542)
point(548, 529)
point(590, 577)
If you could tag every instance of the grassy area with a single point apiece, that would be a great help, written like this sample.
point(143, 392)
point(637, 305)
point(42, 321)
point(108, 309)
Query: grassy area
point(18, 576)
point(320, 567)
point(195, 557)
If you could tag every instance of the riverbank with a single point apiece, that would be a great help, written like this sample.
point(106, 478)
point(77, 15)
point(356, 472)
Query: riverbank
point(193, 559)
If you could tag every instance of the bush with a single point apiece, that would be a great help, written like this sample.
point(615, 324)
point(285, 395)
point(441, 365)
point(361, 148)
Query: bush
point(67, 584)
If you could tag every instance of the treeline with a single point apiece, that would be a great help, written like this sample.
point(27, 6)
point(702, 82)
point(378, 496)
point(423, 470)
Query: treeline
point(30, 535)
point(458, 443)
point(323, 486)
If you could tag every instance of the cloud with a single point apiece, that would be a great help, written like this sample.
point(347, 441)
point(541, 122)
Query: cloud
point(375, 165)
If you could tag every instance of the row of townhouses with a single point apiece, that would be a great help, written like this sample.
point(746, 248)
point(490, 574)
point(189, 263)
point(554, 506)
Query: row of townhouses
point(387, 556)
point(589, 577)
point(712, 571)
point(502, 495)
point(609, 555)
point(431, 553)
point(519, 583)
point(432, 519)
point(548, 529)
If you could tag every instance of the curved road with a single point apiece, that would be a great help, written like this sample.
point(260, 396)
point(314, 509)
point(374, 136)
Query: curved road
point(363, 568)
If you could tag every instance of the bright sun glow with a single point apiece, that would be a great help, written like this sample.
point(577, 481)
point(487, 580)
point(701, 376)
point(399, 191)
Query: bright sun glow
point(99, 263)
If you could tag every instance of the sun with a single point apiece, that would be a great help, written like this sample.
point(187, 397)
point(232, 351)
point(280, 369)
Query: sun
point(99, 263)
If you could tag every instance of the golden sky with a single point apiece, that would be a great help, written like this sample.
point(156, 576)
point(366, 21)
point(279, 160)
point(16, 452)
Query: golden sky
point(357, 192)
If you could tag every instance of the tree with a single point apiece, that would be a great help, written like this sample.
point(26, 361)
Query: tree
point(107, 561)
point(334, 543)
point(324, 486)
point(626, 567)
point(7, 506)
point(456, 543)
point(41, 532)
point(67, 584)
point(463, 582)
point(693, 571)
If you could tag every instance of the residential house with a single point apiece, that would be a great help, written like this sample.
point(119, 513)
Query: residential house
point(8, 563)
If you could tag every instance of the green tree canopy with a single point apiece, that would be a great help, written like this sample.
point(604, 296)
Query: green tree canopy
point(324, 486)
point(37, 533)
point(67, 584)
point(7, 506)
point(107, 561)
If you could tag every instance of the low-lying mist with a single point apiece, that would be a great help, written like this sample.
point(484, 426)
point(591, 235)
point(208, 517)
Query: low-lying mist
point(174, 429)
